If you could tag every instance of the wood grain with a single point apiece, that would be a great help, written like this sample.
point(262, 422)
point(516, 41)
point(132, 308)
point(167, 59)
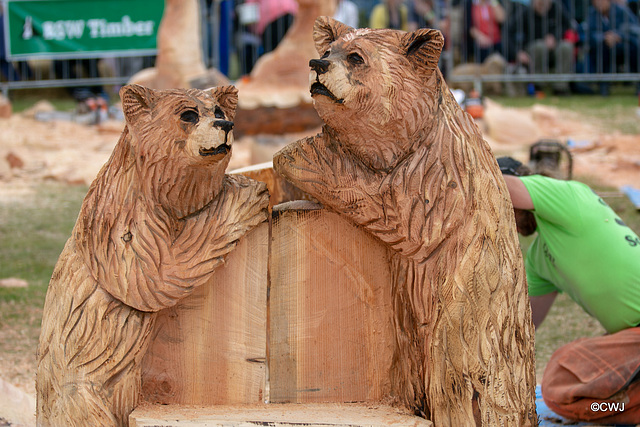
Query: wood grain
point(330, 335)
point(299, 415)
point(210, 348)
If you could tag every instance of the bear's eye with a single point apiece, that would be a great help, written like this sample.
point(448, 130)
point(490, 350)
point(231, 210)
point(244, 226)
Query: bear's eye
point(190, 116)
point(326, 54)
point(355, 59)
point(219, 114)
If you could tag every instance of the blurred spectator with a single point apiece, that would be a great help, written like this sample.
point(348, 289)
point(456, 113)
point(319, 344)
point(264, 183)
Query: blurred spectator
point(543, 40)
point(347, 13)
point(422, 14)
point(482, 28)
point(613, 37)
point(248, 44)
point(275, 18)
point(392, 14)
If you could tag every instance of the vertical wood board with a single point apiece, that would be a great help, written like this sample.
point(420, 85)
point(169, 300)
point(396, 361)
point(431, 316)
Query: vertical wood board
point(330, 310)
point(210, 349)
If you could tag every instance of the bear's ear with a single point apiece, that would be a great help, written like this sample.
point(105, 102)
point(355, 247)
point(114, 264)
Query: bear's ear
point(136, 100)
point(326, 30)
point(423, 47)
point(227, 97)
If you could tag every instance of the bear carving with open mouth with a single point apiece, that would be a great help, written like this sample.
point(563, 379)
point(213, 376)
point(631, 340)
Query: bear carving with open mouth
point(398, 157)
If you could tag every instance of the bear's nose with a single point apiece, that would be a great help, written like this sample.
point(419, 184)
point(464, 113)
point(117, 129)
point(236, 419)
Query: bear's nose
point(320, 66)
point(225, 125)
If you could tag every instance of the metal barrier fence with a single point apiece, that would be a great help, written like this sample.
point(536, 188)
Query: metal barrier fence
point(547, 41)
point(474, 29)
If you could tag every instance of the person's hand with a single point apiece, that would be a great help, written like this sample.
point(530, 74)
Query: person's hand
point(550, 41)
point(523, 58)
point(611, 38)
point(481, 39)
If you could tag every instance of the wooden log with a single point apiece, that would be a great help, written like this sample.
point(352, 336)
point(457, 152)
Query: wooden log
point(330, 336)
point(275, 97)
point(276, 119)
point(210, 349)
point(329, 415)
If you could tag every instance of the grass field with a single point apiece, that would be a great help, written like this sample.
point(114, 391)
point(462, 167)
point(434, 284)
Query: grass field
point(34, 226)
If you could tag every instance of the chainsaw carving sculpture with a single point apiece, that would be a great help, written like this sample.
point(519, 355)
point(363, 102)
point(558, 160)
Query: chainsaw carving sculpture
point(399, 157)
point(157, 221)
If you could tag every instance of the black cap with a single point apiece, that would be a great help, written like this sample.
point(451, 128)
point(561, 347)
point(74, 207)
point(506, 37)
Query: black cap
point(511, 166)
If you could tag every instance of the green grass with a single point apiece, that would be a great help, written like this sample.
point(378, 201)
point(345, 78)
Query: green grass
point(24, 102)
point(33, 230)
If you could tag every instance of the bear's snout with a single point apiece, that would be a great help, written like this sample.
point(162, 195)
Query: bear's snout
point(225, 125)
point(320, 66)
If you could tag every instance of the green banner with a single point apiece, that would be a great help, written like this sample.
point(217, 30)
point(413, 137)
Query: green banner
point(81, 28)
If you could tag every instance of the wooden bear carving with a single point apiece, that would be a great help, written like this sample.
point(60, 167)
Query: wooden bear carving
point(156, 222)
point(399, 157)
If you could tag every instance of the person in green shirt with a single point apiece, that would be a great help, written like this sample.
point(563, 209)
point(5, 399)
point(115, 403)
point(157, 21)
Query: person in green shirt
point(584, 249)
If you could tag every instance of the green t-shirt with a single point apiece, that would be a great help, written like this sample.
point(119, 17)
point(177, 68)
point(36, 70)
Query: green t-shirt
point(584, 249)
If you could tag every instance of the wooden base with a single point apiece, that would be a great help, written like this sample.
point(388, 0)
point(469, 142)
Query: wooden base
point(333, 415)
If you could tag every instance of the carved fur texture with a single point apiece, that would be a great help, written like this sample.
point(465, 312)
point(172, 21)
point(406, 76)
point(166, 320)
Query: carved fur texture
point(156, 222)
point(400, 158)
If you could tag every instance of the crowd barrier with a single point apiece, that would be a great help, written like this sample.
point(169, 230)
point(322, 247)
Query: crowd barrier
point(229, 45)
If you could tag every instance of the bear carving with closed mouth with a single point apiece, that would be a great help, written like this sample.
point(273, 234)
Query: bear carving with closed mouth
point(398, 157)
point(157, 221)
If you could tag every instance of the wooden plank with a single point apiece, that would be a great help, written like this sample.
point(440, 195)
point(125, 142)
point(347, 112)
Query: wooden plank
point(211, 347)
point(330, 415)
point(330, 336)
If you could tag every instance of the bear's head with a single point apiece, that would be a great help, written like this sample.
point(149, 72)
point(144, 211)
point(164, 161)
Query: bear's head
point(180, 141)
point(375, 86)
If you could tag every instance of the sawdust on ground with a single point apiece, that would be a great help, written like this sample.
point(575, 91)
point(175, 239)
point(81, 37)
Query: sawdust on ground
point(33, 150)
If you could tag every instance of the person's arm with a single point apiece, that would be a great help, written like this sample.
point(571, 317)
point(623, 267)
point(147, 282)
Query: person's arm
point(519, 194)
point(540, 306)
point(498, 11)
